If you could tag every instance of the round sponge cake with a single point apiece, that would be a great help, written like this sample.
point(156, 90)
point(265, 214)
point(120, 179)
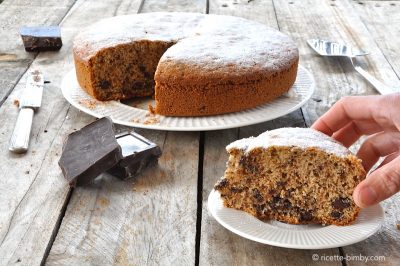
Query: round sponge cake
point(194, 64)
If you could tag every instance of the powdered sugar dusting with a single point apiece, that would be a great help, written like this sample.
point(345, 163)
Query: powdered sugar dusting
point(109, 32)
point(298, 137)
point(209, 41)
point(221, 41)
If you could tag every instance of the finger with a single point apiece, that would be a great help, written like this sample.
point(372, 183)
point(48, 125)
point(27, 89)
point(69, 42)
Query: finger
point(380, 184)
point(376, 146)
point(379, 109)
point(388, 159)
point(354, 130)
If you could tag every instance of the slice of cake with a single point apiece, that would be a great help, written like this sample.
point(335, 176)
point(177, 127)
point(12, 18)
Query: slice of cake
point(293, 175)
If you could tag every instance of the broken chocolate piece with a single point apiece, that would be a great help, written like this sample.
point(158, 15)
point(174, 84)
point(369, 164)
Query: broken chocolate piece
point(89, 152)
point(137, 152)
point(41, 38)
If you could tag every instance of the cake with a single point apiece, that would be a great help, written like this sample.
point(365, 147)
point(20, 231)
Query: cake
point(193, 64)
point(293, 175)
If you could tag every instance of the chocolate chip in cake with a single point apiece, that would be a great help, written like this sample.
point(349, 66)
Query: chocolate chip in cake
point(281, 183)
point(336, 215)
point(104, 84)
point(257, 195)
point(342, 173)
point(259, 207)
point(221, 184)
point(287, 204)
point(142, 68)
point(138, 85)
point(289, 192)
point(236, 190)
point(248, 165)
point(276, 199)
point(306, 216)
point(341, 203)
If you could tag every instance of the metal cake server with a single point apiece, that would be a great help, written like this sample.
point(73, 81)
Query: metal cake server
point(30, 101)
point(328, 48)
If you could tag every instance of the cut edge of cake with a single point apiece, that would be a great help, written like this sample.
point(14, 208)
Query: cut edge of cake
point(293, 175)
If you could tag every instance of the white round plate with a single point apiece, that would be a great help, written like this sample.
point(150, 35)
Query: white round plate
point(295, 236)
point(136, 114)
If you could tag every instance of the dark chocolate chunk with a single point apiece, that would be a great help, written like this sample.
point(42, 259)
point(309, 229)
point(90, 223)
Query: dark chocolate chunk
point(249, 165)
point(89, 152)
point(341, 203)
point(221, 184)
point(257, 195)
point(137, 151)
point(336, 215)
point(259, 207)
point(41, 38)
point(104, 84)
point(237, 189)
point(281, 183)
point(276, 199)
point(306, 216)
point(287, 204)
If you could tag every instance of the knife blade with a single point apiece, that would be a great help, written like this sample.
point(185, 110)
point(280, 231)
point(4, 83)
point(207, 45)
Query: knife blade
point(30, 101)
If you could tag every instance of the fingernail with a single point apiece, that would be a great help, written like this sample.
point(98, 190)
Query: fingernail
point(367, 196)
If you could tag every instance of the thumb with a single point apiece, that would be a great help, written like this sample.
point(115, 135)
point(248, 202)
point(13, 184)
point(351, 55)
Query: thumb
point(379, 185)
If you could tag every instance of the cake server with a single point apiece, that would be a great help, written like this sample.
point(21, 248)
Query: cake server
point(328, 48)
point(30, 101)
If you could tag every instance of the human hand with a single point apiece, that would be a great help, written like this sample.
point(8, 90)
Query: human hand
point(379, 118)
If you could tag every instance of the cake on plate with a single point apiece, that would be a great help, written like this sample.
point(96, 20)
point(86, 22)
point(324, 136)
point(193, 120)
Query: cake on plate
point(193, 64)
point(293, 175)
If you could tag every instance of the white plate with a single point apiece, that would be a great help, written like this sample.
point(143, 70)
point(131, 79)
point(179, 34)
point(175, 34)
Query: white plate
point(139, 116)
point(295, 236)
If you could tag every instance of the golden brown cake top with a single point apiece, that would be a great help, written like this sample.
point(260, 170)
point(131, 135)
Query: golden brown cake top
point(208, 43)
point(298, 137)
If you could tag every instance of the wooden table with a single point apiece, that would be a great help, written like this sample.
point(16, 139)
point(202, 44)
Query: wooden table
point(161, 217)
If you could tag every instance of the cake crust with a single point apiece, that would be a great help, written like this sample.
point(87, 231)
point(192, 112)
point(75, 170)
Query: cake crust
point(294, 175)
point(198, 64)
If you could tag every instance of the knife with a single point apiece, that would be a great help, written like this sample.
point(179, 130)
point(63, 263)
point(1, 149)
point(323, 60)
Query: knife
point(30, 101)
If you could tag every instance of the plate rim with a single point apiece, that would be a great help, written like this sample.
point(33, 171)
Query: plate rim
point(215, 194)
point(66, 95)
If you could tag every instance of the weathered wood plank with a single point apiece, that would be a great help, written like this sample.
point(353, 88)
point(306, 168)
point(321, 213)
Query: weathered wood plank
point(337, 20)
point(13, 15)
point(335, 77)
point(382, 19)
point(219, 246)
point(33, 191)
point(149, 220)
point(198, 6)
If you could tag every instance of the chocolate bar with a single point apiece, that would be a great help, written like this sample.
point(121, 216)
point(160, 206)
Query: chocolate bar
point(41, 38)
point(137, 151)
point(89, 152)
point(95, 149)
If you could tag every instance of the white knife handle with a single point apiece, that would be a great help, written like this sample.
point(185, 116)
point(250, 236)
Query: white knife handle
point(20, 138)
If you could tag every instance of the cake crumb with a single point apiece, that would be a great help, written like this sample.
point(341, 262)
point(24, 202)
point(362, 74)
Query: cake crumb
point(136, 120)
point(151, 109)
point(151, 120)
point(16, 102)
point(398, 226)
point(91, 104)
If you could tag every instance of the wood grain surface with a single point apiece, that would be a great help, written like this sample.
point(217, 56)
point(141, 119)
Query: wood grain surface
point(150, 220)
point(160, 218)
